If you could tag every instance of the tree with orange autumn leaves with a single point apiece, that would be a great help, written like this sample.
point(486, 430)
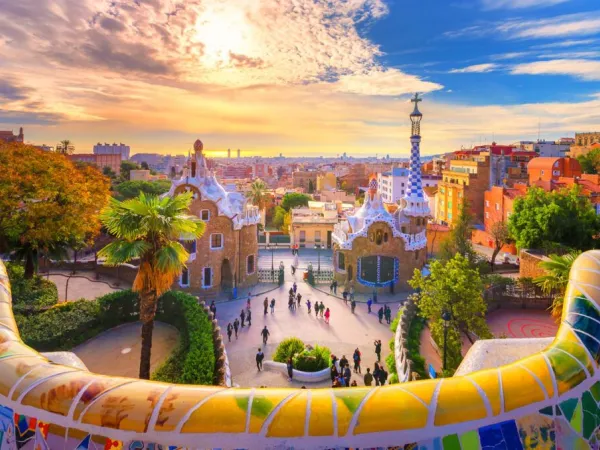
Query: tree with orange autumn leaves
point(47, 202)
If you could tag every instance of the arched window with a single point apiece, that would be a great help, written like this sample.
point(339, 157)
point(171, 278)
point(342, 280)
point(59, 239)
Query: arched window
point(379, 237)
point(404, 230)
point(385, 237)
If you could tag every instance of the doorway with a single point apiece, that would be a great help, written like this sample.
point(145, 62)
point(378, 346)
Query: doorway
point(226, 276)
point(329, 238)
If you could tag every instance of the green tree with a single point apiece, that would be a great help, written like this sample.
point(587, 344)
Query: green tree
point(150, 228)
point(501, 237)
point(453, 287)
point(144, 165)
point(279, 216)
point(65, 147)
point(126, 168)
point(258, 194)
point(561, 218)
point(108, 172)
point(132, 189)
point(459, 241)
point(556, 279)
point(311, 187)
point(47, 202)
point(294, 200)
point(590, 162)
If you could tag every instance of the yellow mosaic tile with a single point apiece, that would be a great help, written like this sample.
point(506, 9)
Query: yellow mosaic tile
point(537, 365)
point(458, 401)
point(422, 389)
point(320, 422)
point(519, 388)
point(402, 412)
point(14, 368)
point(263, 404)
point(224, 412)
point(290, 420)
point(489, 381)
point(178, 401)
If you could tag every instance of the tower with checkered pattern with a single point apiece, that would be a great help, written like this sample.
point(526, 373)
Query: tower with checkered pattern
point(415, 203)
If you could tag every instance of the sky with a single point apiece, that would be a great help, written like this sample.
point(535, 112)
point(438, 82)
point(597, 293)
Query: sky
point(298, 77)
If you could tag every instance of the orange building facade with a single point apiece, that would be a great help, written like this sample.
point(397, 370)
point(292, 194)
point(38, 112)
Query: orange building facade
point(551, 169)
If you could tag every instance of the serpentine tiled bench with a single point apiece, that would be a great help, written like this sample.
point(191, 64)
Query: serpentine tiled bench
point(548, 400)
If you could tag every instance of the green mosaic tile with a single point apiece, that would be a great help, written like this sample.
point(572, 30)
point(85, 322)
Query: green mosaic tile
point(547, 411)
point(567, 370)
point(577, 420)
point(470, 441)
point(591, 414)
point(568, 407)
point(451, 442)
point(595, 390)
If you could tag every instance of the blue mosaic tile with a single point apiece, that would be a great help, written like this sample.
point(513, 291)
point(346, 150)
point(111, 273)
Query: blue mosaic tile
point(500, 436)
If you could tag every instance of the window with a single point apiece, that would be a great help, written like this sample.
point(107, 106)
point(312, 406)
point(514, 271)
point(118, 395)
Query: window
point(302, 236)
point(341, 261)
point(184, 279)
point(542, 172)
point(497, 206)
point(404, 230)
point(190, 246)
point(207, 277)
point(250, 265)
point(487, 215)
point(318, 236)
point(205, 215)
point(487, 203)
point(385, 237)
point(216, 241)
point(379, 237)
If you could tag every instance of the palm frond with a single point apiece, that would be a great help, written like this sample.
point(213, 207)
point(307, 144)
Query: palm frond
point(121, 251)
point(171, 257)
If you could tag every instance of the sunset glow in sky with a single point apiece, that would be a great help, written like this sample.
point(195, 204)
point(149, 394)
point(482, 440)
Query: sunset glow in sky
point(300, 77)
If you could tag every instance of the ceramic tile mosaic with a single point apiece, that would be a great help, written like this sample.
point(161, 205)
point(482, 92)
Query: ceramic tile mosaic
point(548, 401)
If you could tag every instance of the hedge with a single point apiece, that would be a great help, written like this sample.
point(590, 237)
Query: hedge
point(194, 361)
point(313, 360)
point(413, 345)
point(30, 294)
point(288, 348)
point(67, 325)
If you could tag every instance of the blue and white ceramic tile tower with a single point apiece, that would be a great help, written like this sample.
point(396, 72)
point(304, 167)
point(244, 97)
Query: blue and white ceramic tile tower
point(415, 203)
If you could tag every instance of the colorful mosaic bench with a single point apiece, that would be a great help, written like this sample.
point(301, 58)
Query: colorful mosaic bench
point(546, 401)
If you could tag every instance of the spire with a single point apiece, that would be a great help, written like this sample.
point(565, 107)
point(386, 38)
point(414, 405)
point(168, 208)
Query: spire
point(414, 202)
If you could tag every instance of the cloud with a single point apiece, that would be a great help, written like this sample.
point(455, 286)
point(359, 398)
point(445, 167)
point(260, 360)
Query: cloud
point(564, 44)
point(519, 4)
point(510, 55)
point(477, 68)
point(584, 69)
point(384, 82)
point(564, 26)
point(12, 91)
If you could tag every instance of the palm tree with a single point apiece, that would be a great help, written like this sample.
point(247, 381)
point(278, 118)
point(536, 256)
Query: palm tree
point(258, 194)
point(556, 279)
point(150, 228)
point(65, 147)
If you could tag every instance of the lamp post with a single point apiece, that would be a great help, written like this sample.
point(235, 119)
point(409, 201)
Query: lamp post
point(446, 317)
point(319, 258)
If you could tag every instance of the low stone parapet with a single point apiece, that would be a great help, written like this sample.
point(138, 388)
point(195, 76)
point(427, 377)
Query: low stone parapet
point(305, 377)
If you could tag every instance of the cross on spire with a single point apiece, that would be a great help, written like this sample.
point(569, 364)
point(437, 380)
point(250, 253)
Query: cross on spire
point(416, 99)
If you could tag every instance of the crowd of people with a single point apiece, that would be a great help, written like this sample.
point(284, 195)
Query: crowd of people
point(341, 374)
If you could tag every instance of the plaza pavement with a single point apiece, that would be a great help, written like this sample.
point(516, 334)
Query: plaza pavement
point(345, 332)
point(83, 285)
point(116, 352)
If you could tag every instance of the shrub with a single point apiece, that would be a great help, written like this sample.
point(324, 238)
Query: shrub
point(288, 347)
point(413, 344)
point(396, 321)
point(69, 324)
point(30, 295)
point(393, 378)
point(390, 362)
point(194, 361)
point(312, 360)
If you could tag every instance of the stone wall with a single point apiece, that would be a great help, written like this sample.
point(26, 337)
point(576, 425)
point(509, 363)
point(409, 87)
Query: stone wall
point(222, 370)
point(403, 363)
point(529, 264)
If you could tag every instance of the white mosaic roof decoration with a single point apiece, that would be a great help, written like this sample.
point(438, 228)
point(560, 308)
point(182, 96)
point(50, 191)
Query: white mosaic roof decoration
point(230, 204)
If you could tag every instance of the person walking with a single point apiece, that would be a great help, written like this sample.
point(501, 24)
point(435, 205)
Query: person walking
point(356, 357)
point(327, 314)
point(345, 297)
point(388, 314)
point(352, 306)
point(322, 307)
point(369, 304)
point(334, 373)
point(376, 373)
point(380, 314)
point(243, 317)
point(248, 301)
point(331, 288)
point(229, 331)
point(299, 297)
point(308, 306)
point(236, 326)
point(266, 304)
point(291, 291)
point(335, 285)
point(351, 292)
point(295, 287)
point(368, 378)
point(213, 309)
point(249, 317)
point(290, 368)
point(259, 359)
point(272, 306)
point(317, 307)
point(265, 335)
point(378, 349)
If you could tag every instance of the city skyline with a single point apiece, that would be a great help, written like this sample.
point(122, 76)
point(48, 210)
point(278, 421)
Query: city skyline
point(296, 77)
